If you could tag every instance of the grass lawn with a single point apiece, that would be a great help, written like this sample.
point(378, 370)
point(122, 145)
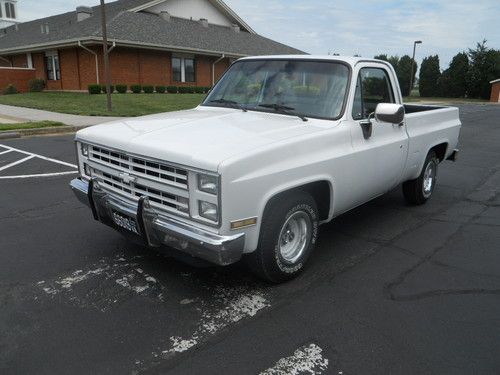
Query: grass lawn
point(127, 105)
point(30, 125)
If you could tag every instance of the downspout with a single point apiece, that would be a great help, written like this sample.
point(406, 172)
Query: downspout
point(213, 67)
point(96, 59)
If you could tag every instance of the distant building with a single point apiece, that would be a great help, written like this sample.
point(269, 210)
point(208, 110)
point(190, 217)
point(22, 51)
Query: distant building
point(495, 91)
point(8, 13)
point(156, 42)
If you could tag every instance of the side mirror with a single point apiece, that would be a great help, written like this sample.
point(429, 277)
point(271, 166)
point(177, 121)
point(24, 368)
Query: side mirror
point(388, 112)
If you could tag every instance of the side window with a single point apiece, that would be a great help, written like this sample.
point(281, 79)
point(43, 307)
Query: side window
point(372, 87)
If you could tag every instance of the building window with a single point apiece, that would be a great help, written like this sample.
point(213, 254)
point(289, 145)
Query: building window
point(183, 69)
point(53, 70)
point(10, 11)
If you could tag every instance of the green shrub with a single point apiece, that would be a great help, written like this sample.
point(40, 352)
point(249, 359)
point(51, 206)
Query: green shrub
point(36, 84)
point(136, 89)
point(148, 89)
point(199, 90)
point(172, 89)
point(206, 89)
point(111, 88)
point(160, 89)
point(9, 90)
point(122, 89)
point(94, 89)
point(186, 89)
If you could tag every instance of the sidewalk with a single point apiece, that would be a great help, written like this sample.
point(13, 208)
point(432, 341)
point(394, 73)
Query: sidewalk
point(21, 114)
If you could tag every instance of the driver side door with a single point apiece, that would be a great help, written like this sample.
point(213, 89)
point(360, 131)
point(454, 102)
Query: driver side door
point(380, 156)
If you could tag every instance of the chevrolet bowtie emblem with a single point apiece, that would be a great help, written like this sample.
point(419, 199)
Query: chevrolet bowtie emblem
point(126, 178)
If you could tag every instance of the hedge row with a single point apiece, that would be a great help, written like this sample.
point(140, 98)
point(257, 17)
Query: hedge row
point(149, 89)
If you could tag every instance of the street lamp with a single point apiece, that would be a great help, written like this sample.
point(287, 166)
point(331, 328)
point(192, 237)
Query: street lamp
point(413, 64)
point(105, 51)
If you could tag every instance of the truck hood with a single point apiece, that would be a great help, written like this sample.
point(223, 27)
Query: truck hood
point(202, 137)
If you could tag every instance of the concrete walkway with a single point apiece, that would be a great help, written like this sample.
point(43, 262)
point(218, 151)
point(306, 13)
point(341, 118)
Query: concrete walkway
point(21, 114)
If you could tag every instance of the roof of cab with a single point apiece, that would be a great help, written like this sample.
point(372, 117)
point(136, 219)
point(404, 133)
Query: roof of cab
point(347, 59)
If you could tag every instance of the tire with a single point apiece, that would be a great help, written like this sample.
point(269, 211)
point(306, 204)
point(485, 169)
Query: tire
point(419, 190)
point(288, 235)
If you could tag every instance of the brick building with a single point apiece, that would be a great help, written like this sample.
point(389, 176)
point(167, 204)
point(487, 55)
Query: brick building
point(495, 91)
point(159, 42)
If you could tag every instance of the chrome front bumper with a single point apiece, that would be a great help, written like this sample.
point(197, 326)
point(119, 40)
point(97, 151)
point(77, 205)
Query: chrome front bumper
point(156, 229)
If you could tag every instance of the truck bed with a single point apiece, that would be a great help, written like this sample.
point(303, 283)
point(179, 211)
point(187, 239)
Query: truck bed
point(413, 108)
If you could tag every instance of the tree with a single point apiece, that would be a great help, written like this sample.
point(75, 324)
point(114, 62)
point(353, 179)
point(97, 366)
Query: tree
point(404, 72)
point(453, 82)
point(429, 77)
point(402, 66)
point(484, 67)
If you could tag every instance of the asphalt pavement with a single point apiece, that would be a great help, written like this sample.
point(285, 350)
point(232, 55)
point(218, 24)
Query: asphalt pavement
point(390, 289)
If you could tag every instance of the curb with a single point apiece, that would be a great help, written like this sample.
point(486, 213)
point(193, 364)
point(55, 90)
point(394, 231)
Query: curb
point(40, 131)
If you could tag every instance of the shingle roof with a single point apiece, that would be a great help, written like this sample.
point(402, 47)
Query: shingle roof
point(138, 28)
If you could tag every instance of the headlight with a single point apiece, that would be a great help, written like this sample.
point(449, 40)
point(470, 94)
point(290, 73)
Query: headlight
point(85, 149)
point(208, 210)
point(208, 184)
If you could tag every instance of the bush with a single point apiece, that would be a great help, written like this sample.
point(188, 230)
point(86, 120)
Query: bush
point(9, 90)
point(186, 89)
point(172, 89)
point(199, 90)
point(94, 89)
point(160, 89)
point(122, 89)
point(36, 84)
point(148, 89)
point(136, 89)
point(112, 89)
point(207, 89)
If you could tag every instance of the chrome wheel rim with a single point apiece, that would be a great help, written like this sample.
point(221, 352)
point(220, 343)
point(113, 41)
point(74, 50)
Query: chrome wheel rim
point(429, 179)
point(294, 236)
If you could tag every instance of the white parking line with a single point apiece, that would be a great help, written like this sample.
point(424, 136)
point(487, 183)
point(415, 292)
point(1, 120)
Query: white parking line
point(305, 360)
point(30, 156)
point(16, 163)
point(40, 156)
point(37, 175)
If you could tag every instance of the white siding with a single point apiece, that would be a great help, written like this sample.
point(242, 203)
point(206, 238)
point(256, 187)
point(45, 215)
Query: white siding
point(194, 9)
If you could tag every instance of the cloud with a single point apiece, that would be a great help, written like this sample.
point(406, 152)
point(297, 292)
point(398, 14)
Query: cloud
point(366, 27)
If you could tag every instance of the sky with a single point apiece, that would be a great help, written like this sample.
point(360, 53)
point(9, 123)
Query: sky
point(348, 27)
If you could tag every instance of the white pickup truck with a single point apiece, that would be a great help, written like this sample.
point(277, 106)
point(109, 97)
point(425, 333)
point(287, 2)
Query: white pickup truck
point(279, 146)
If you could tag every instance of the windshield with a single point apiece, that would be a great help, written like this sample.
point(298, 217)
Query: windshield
point(294, 87)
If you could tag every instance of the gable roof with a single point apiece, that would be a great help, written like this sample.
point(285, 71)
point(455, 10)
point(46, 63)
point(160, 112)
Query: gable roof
point(219, 4)
point(136, 29)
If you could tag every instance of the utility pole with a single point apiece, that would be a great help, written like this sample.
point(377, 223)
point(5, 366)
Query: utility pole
point(105, 51)
point(413, 64)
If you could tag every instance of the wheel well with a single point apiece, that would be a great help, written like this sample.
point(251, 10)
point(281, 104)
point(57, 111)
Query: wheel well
point(320, 192)
point(440, 150)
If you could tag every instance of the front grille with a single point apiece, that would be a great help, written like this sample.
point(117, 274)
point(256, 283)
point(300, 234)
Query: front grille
point(140, 167)
point(164, 185)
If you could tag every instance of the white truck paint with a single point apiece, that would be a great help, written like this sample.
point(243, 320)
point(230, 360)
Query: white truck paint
point(257, 155)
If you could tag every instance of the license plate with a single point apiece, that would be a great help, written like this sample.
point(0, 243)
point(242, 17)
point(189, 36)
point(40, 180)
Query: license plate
point(125, 222)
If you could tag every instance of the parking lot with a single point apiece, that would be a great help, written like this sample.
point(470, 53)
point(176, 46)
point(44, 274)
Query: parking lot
point(390, 289)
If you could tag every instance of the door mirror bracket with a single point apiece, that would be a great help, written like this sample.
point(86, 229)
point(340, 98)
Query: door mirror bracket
point(367, 126)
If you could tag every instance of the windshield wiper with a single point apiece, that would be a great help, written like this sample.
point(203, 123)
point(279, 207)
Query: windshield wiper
point(230, 102)
point(284, 109)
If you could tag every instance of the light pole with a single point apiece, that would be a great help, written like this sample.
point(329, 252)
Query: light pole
point(105, 51)
point(413, 64)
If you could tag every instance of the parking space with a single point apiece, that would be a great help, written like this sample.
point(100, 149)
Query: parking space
point(390, 288)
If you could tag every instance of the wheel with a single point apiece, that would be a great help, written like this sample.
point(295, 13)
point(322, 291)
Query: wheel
point(419, 190)
point(287, 237)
